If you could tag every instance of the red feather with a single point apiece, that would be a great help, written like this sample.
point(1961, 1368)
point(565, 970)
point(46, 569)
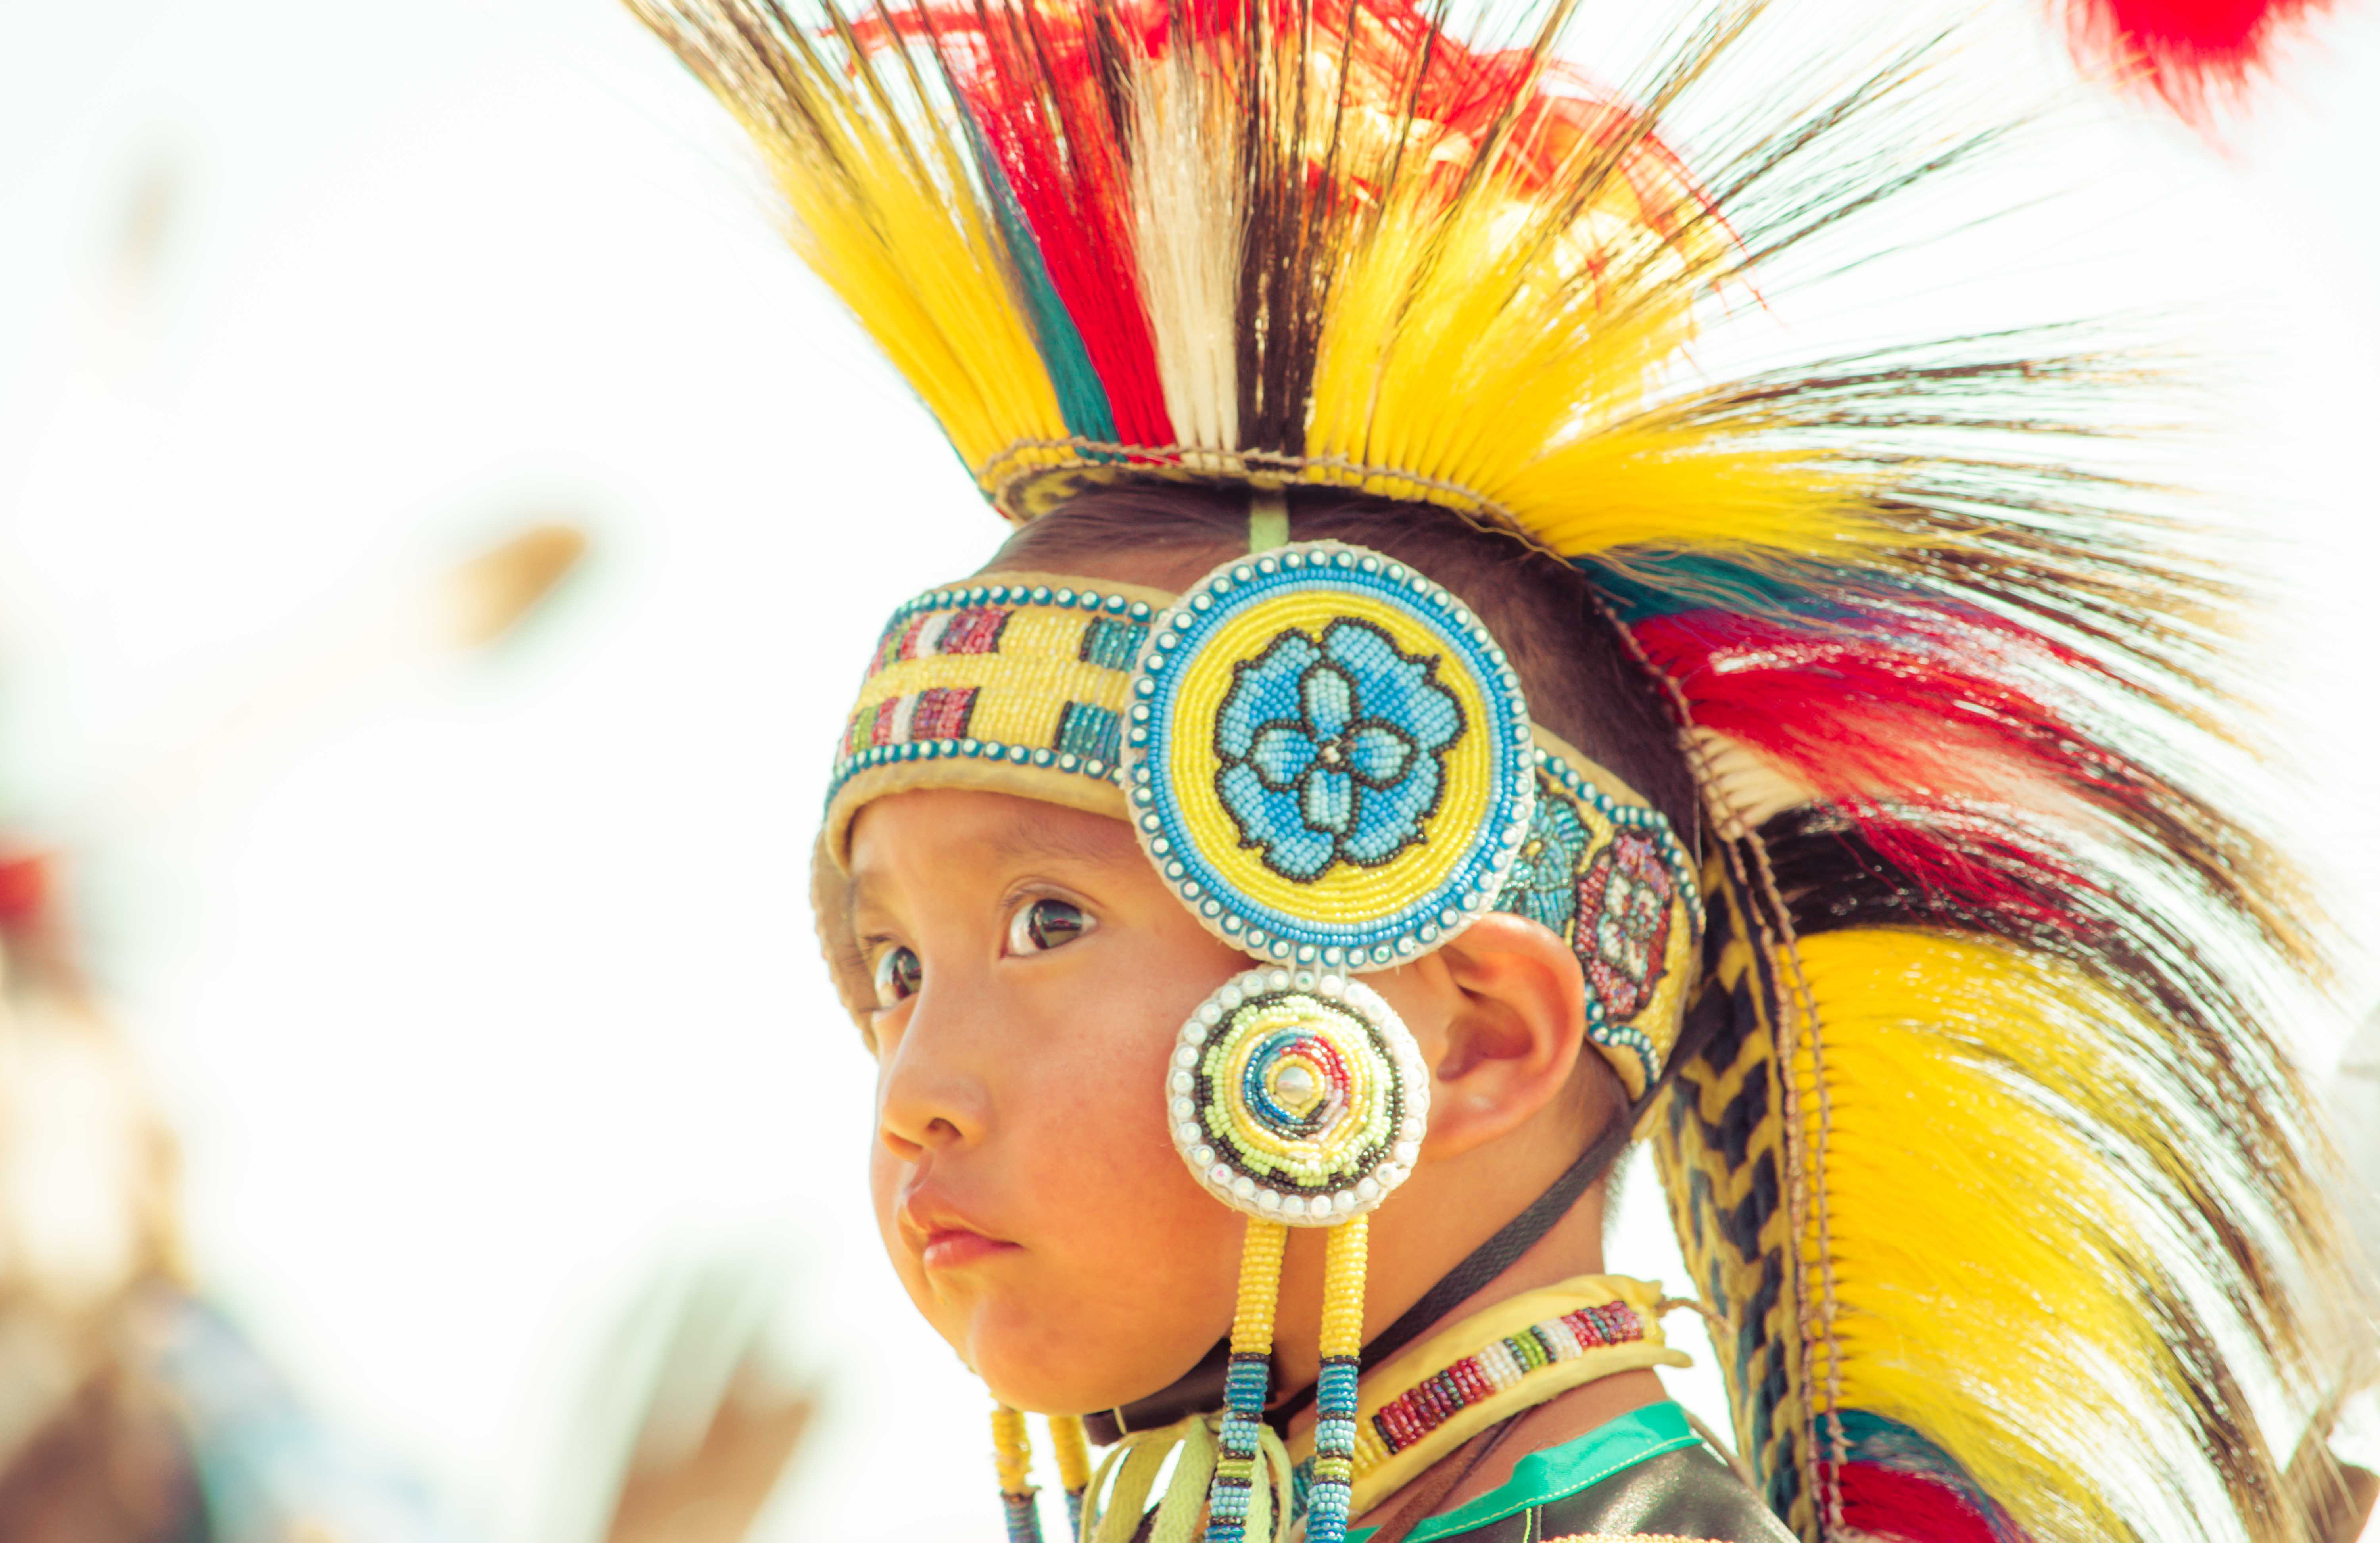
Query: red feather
point(2192, 52)
point(1973, 865)
point(1896, 1507)
point(1037, 96)
point(1917, 715)
point(1915, 734)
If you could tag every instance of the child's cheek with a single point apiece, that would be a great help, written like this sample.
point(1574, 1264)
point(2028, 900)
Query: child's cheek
point(1133, 1264)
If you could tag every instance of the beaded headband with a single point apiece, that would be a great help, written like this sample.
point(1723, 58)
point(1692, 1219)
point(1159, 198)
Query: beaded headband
point(1326, 756)
point(1016, 685)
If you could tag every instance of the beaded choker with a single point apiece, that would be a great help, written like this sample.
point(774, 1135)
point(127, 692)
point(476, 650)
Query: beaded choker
point(1419, 1407)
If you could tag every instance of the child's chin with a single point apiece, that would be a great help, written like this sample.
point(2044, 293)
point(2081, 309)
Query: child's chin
point(1061, 1373)
point(1039, 1393)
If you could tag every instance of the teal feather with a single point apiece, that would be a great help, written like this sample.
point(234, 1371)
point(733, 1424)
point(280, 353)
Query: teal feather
point(1081, 396)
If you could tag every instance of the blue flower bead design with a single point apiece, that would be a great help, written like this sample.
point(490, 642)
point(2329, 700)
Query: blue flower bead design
point(1333, 751)
point(1543, 884)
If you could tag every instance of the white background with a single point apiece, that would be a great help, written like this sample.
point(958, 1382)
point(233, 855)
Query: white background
point(479, 991)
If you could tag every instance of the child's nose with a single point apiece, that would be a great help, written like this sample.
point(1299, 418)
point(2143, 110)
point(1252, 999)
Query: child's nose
point(931, 1098)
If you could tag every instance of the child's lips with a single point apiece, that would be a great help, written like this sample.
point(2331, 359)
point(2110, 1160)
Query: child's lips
point(944, 1237)
point(957, 1247)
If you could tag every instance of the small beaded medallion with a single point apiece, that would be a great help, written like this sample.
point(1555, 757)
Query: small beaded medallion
point(1297, 1096)
point(1329, 758)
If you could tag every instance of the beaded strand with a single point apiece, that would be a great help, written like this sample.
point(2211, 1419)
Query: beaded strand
point(1074, 1455)
point(1500, 1366)
point(1247, 1382)
point(1328, 1501)
point(1012, 1456)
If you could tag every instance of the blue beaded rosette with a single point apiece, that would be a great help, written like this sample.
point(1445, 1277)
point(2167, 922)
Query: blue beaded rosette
point(1333, 749)
point(1329, 758)
point(1297, 1096)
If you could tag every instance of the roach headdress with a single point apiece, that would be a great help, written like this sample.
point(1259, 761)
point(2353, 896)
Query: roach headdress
point(1949, 1025)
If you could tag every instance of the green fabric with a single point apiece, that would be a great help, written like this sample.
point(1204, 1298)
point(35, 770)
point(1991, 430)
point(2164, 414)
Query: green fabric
point(1559, 1472)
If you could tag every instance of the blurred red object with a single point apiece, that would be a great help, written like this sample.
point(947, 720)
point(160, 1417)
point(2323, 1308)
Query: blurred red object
point(24, 890)
point(2194, 53)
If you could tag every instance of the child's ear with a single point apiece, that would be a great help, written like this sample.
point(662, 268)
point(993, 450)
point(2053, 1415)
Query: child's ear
point(1516, 1023)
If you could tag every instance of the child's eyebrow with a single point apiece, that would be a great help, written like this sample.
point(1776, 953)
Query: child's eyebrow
point(1068, 840)
point(854, 898)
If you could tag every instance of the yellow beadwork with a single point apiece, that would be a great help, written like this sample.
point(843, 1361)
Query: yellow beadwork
point(1358, 1064)
point(1342, 1287)
point(1014, 683)
point(1011, 1451)
point(1025, 690)
point(1259, 1287)
point(1378, 1471)
point(1072, 1452)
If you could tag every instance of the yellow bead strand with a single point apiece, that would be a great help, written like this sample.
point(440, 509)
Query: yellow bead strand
point(1347, 1250)
point(1011, 1458)
point(1259, 1295)
point(1011, 1451)
point(1073, 1453)
point(1072, 1449)
point(1239, 1502)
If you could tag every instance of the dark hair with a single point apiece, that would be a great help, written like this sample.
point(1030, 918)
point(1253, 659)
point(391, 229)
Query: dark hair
point(1581, 680)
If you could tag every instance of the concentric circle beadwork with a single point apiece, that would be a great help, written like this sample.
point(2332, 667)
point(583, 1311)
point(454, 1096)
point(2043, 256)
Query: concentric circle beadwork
point(1297, 1096)
point(1329, 758)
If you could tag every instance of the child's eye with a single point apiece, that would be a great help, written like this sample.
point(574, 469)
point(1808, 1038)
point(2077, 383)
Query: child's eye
point(1045, 924)
point(898, 975)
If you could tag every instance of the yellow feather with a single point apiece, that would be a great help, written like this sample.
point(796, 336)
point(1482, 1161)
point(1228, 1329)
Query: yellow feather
point(1677, 487)
point(882, 206)
point(928, 288)
point(1993, 1275)
point(1566, 323)
point(1438, 305)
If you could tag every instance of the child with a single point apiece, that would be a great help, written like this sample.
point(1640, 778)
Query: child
point(1077, 1286)
point(1418, 738)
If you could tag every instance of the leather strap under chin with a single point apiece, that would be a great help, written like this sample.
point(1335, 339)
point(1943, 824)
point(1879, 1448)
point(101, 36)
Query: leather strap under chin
point(1194, 1391)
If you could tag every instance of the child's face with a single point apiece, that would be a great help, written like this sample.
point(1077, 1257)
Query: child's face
point(1031, 972)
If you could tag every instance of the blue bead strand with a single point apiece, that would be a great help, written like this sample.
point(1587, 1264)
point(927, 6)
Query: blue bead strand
point(1024, 1518)
point(1329, 1500)
point(1238, 1461)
